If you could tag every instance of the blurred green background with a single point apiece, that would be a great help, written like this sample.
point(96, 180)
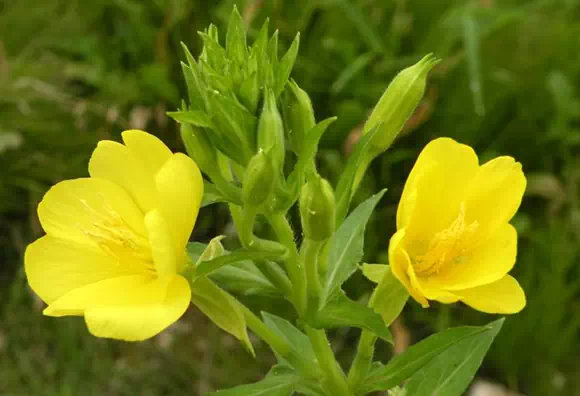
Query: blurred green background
point(73, 72)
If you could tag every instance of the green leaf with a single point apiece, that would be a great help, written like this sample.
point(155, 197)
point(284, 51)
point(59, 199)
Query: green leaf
point(194, 117)
point(272, 385)
point(236, 47)
point(207, 266)
point(223, 309)
point(446, 361)
point(390, 296)
point(346, 249)
point(343, 312)
point(245, 278)
point(213, 250)
point(285, 66)
point(299, 342)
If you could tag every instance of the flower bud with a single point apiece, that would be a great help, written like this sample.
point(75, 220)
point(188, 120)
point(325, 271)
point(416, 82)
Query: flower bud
point(199, 147)
point(298, 115)
point(398, 103)
point(258, 181)
point(317, 209)
point(271, 131)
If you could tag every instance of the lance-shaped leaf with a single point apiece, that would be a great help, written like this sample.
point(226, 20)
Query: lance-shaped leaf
point(346, 249)
point(211, 194)
point(223, 309)
point(447, 361)
point(299, 342)
point(194, 117)
point(343, 312)
point(286, 65)
point(236, 48)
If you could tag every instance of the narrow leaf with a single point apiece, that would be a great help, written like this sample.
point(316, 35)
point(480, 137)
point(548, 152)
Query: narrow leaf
point(285, 66)
point(223, 309)
point(245, 278)
point(346, 249)
point(442, 345)
point(343, 312)
point(194, 117)
point(236, 47)
point(211, 194)
point(209, 266)
point(390, 296)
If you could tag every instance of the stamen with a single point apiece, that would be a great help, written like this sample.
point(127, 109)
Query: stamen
point(447, 246)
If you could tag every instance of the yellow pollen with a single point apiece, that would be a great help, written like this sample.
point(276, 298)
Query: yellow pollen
point(115, 237)
point(447, 246)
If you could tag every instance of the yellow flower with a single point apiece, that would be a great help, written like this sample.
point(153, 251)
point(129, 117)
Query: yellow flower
point(453, 240)
point(115, 242)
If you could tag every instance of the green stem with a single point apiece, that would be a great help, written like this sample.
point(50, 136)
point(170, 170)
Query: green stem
point(309, 252)
point(297, 276)
point(334, 381)
point(365, 350)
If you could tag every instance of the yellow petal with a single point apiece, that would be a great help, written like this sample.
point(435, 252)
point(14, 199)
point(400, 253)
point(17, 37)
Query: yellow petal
point(487, 263)
point(114, 162)
point(433, 191)
point(400, 264)
point(165, 257)
point(152, 151)
point(180, 187)
point(55, 266)
point(495, 193)
point(130, 308)
point(76, 209)
point(504, 296)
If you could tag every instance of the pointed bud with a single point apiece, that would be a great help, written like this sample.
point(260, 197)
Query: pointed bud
point(398, 103)
point(258, 180)
point(199, 147)
point(317, 209)
point(298, 115)
point(271, 131)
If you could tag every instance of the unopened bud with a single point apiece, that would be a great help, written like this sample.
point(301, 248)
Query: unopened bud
point(258, 181)
point(398, 103)
point(317, 209)
point(199, 147)
point(271, 131)
point(298, 115)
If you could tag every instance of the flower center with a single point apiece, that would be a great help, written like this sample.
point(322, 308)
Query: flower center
point(115, 237)
point(447, 246)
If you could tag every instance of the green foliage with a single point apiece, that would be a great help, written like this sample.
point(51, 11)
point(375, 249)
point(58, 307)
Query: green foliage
point(91, 70)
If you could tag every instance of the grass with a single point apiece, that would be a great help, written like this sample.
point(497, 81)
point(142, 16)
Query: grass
point(72, 73)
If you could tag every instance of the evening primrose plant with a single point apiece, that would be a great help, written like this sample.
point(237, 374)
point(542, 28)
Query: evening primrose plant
point(116, 247)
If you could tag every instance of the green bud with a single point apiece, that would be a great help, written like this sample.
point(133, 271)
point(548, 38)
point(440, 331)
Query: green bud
point(399, 102)
point(258, 180)
point(298, 115)
point(271, 131)
point(199, 147)
point(317, 209)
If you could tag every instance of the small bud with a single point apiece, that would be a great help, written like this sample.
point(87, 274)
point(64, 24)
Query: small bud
point(199, 147)
point(271, 131)
point(399, 102)
point(258, 181)
point(317, 209)
point(298, 115)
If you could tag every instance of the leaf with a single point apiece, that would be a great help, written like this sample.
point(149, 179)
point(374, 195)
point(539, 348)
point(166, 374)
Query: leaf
point(299, 342)
point(213, 250)
point(346, 249)
point(390, 296)
point(244, 278)
point(451, 373)
point(343, 312)
point(456, 351)
point(285, 66)
point(194, 117)
point(236, 47)
point(272, 385)
point(223, 309)
point(215, 263)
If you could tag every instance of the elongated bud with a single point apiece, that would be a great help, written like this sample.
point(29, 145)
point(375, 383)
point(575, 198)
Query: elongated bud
point(199, 147)
point(317, 209)
point(258, 181)
point(298, 115)
point(398, 103)
point(271, 131)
